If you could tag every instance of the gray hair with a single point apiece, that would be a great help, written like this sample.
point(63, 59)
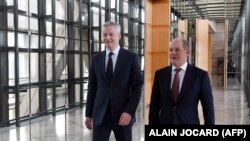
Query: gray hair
point(112, 23)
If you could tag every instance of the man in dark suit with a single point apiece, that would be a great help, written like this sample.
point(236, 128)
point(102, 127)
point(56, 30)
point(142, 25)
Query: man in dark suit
point(114, 89)
point(177, 90)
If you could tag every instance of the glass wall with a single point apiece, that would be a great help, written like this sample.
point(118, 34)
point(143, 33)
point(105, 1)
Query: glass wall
point(46, 46)
point(247, 52)
point(239, 52)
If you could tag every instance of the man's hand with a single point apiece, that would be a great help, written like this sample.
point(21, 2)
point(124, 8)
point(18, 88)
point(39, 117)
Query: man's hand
point(124, 119)
point(88, 123)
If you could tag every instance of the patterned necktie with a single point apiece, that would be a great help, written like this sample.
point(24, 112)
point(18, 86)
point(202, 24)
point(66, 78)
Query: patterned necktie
point(110, 67)
point(176, 84)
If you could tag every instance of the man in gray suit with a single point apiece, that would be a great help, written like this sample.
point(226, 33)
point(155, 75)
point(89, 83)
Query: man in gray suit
point(114, 89)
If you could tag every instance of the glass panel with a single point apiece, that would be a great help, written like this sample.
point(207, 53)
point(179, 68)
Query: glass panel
point(135, 42)
point(135, 50)
point(10, 2)
point(77, 65)
point(34, 41)
point(33, 6)
point(22, 22)
point(60, 13)
point(24, 104)
point(48, 7)
point(135, 29)
point(112, 16)
point(59, 43)
point(34, 93)
point(95, 21)
point(112, 4)
point(118, 3)
point(103, 3)
point(85, 34)
point(85, 14)
point(12, 108)
point(49, 28)
point(23, 40)
point(103, 17)
point(76, 33)
point(61, 95)
point(60, 30)
point(85, 88)
point(76, 11)
point(77, 92)
point(11, 39)
point(49, 42)
point(59, 65)
point(64, 73)
point(142, 63)
point(96, 46)
point(49, 66)
point(76, 45)
point(11, 61)
point(102, 47)
point(96, 36)
point(85, 46)
point(49, 98)
point(85, 65)
point(34, 67)
point(142, 51)
point(125, 7)
point(33, 25)
point(134, 12)
point(23, 68)
point(23, 5)
point(143, 3)
point(126, 40)
point(125, 27)
point(95, 1)
point(142, 32)
point(142, 16)
point(10, 21)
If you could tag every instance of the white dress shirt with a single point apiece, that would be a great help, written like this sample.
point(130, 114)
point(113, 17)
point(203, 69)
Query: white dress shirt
point(114, 57)
point(181, 74)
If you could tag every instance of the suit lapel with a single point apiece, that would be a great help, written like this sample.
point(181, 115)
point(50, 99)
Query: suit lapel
point(168, 82)
point(165, 81)
point(103, 59)
point(120, 59)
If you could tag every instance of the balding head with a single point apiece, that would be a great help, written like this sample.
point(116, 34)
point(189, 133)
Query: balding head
point(184, 42)
point(179, 51)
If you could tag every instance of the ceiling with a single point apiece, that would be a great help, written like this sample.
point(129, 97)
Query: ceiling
point(214, 10)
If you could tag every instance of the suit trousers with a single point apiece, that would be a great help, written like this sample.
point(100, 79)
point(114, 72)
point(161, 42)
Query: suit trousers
point(103, 131)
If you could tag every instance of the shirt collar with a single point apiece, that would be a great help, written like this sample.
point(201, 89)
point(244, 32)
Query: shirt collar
point(183, 67)
point(116, 51)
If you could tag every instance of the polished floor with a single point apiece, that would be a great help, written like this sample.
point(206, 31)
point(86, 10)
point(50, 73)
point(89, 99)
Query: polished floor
point(230, 108)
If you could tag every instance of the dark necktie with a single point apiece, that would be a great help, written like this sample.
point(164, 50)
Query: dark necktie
point(110, 67)
point(176, 84)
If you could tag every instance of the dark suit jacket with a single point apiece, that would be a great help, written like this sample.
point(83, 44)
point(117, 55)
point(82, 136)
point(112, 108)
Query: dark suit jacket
point(124, 91)
point(196, 86)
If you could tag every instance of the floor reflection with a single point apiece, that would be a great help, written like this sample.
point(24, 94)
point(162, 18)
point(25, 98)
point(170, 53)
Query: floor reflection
point(65, 126)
